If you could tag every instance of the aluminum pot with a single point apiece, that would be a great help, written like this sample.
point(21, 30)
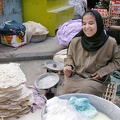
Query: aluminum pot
point(102, 105)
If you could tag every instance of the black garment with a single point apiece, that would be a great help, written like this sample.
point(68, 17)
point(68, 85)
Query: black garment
point(92, 3)
point(114, 33)
point(95, 42)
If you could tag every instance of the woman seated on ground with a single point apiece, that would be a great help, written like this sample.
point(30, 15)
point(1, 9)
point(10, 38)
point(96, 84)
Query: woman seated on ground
point(91, 57)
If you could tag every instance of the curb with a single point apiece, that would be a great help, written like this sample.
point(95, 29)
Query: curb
point(27, 56)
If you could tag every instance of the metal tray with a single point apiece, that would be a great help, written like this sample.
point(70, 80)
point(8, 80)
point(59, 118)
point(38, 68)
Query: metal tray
point(46, 81)
point(53, 65)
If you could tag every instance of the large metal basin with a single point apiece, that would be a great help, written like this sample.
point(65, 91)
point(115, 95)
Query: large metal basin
point(102, 105)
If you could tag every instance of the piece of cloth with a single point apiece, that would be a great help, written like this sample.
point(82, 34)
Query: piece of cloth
point(77, 84)
point(83, 106)
point(39, 99)
point(58, 109)
point(13, 34)
point(60, 56)
point(12, 27)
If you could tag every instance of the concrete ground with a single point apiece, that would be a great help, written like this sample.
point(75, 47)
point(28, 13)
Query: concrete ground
point(31, 57)
point(32, 51)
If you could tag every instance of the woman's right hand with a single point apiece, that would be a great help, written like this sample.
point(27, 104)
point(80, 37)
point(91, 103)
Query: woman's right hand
point(67, 70)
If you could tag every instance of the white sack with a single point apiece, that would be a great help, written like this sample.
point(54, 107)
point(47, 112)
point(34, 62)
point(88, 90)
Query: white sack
point(33, 28)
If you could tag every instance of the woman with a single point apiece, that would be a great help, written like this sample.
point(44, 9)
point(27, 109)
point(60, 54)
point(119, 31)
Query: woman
point(92, 56)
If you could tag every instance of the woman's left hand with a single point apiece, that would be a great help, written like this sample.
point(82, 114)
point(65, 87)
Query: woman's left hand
point(95, 76)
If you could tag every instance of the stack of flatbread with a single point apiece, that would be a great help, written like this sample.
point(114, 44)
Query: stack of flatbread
point(15, 98)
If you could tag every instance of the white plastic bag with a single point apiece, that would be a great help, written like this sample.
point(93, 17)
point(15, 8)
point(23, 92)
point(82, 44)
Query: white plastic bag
point(58, 109)
point(33, 28)
point(60, 56)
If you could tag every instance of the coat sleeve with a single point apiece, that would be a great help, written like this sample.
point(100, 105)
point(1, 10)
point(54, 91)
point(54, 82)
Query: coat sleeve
point(113, 64)
point(70, 53)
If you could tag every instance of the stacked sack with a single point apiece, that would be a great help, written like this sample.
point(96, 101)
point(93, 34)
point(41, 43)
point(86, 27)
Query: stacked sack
point(15, 98)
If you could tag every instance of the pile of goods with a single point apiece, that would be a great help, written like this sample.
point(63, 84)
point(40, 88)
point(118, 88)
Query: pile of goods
point(114, 8)
point(112, 14)
point(104, 14)
point(72, 109)
point(15, 98)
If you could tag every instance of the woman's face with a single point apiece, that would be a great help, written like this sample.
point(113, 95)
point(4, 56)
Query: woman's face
point(89, 25)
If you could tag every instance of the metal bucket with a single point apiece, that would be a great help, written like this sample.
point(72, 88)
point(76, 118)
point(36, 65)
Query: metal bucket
point(102, 105)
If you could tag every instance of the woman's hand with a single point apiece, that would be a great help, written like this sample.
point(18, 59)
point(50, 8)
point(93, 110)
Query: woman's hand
point(95, 76)
point(67, 70)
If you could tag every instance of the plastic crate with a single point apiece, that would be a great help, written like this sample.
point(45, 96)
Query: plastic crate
point(104, 14)
point(110, 93)
point(114, 10)
point(109, 21)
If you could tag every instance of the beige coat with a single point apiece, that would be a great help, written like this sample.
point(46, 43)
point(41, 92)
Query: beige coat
point(103, 61)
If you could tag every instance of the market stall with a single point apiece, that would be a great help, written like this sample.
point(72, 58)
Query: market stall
point(110, 11)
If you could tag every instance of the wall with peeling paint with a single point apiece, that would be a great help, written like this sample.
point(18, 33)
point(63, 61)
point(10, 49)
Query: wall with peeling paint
point(10, 10)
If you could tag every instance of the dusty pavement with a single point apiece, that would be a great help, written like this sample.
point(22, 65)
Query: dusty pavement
point(32, 51)
point(31, 57)
point(32, 70)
